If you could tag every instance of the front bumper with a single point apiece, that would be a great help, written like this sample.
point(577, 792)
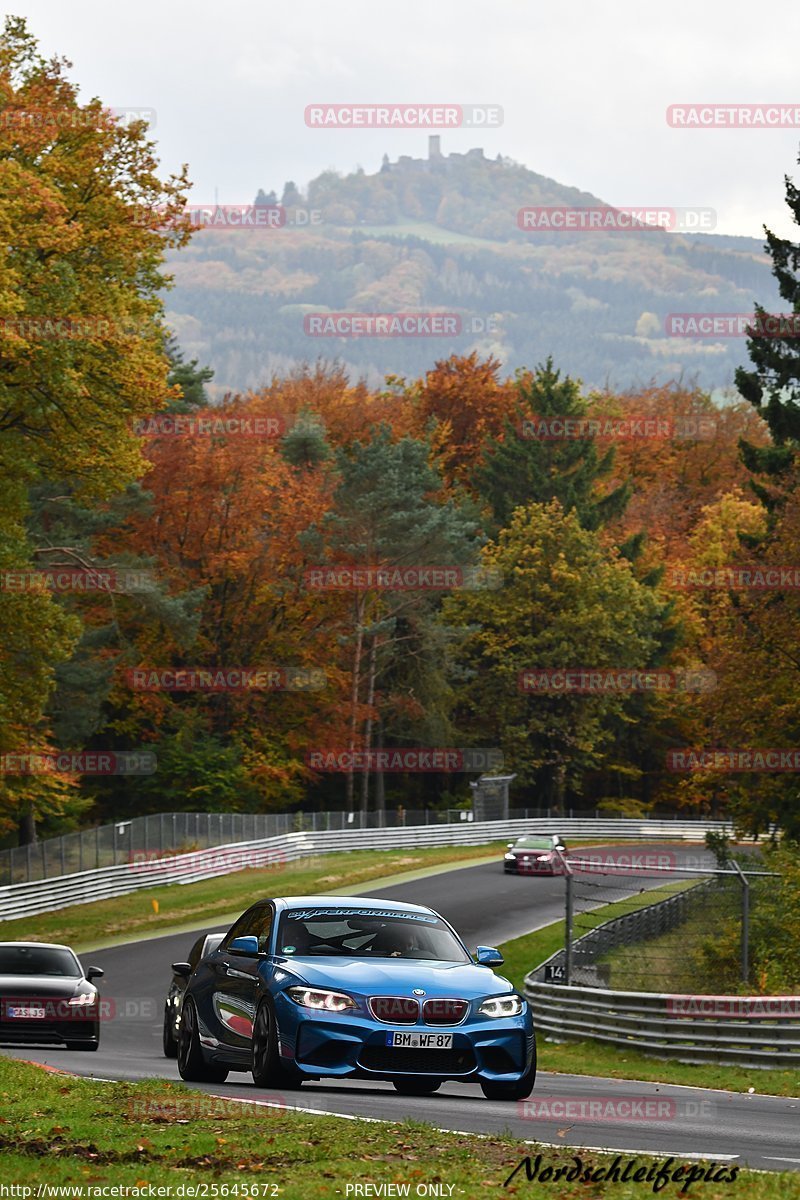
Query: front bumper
point(531, 867)
point(322, 1046)
point(48, 1033)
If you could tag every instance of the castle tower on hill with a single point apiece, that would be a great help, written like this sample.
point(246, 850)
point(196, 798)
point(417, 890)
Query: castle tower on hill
point(435, 156)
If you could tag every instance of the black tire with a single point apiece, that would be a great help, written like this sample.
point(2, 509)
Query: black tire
point(266, 1067)
point(417, 1085)
point(520, 1090)
point(83, 1045)
point(191, 1065)
point(168, 1039)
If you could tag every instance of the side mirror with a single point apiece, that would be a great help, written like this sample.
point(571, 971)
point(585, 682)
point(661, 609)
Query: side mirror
point(244, 945)
point(182, 969)
point(487, 956)
point(510, 845)
point(95, 973)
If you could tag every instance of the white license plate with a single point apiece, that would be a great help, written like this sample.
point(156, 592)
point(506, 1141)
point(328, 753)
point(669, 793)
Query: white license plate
point(420, 1041)
point(25, 1014)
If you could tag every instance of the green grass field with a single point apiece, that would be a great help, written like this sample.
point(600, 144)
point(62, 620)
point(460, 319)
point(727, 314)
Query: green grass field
point(56, 1130)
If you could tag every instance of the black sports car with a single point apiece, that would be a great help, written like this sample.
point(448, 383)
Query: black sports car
point(180, 977)
point(534, 856)
point(46, 997)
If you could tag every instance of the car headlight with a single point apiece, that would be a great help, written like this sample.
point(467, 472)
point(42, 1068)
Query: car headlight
point(321, 998)
point(83, 998)
point(501, 1006)
point(509, 856)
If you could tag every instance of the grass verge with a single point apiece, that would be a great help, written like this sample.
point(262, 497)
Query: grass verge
point(685, 952)
point(524, 953)
point(65, 1131)
point(596, 1058)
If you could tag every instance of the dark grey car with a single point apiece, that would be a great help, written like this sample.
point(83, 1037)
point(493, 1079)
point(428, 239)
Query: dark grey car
point(205, 944)
point(47, 998)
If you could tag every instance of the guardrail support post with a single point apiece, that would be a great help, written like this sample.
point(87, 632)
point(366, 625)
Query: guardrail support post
point(745, 951)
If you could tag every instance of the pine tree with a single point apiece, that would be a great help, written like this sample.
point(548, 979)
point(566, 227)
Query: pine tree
point(518, 470)
point(305, 444)
point(772, 386)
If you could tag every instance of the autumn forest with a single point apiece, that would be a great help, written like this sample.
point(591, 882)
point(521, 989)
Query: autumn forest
point(270, 594)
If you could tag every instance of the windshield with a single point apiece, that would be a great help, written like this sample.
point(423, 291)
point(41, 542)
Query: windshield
point(38, 960)
point(532, 843)
point(367, 933)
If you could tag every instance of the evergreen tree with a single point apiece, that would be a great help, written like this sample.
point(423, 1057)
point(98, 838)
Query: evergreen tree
point(305, 444)
point(189, 377)
point(518, 469)
point(291, 195)
point(772, 385)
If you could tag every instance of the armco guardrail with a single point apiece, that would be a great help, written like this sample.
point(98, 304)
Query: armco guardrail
point(45, 895)
point(750, 1031)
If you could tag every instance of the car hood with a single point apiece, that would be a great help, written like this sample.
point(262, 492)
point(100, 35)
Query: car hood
point(385, 976)
point(42, 986)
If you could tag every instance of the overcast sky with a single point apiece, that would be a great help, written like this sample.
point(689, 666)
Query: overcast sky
point(584, 87)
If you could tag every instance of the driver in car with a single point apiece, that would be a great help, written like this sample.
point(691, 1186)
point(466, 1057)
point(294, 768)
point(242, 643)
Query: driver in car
point(395, 941)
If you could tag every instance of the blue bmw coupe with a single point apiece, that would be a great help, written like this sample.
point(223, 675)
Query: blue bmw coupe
point(334, 987)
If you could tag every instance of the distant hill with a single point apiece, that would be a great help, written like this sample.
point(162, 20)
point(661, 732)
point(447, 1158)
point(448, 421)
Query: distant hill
point(441, 233)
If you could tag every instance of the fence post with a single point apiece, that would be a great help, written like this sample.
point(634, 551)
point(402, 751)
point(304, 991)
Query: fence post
point(745, 952)
point(567, 919)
